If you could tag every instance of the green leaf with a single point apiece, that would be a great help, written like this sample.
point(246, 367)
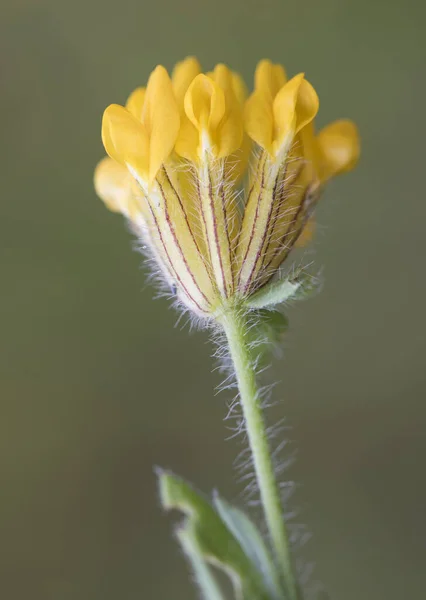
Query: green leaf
point(202, 572)
point(210, 537)
point(299, 285)
point(274, 324)
point(267, 331)
point(276, 292)
point(252, 543)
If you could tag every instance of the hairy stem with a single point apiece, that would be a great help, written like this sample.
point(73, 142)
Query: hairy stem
point(236, 330)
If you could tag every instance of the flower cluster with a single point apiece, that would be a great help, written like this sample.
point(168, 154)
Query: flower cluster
point(177, 154)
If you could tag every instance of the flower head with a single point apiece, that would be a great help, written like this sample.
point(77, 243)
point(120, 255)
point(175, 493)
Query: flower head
point(177, 152)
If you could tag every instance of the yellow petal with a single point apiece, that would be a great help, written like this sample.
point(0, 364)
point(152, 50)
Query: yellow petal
point(230, 131)
point(269, 78)
point(230, 136)
point(222, 75)
point(160, 118)
point(239, 87)
point(135, 102)
point(258, 113)
point(239, 160)
point(339, 148)
point(307, 105)
point(295, 105)
point(125, 139)
point(214, 116)
point(308, 142)
point(113, 184)
point(307, 234)
point(259, 120)
point(188, 141)
point(309, 153)
point(183, 75)
point(117, 188)
point(205, 104)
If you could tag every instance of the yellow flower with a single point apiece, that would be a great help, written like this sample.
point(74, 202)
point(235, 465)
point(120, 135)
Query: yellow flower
point(210, 135)
point(177, 151)
point(213, 122)
point(290, 171)
point(278, 109)
point(143, 143)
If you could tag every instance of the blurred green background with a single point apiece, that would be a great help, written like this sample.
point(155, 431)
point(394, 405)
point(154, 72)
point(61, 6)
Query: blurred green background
point(97, 385)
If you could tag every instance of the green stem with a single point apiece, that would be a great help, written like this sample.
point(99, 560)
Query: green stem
point(236, 330)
